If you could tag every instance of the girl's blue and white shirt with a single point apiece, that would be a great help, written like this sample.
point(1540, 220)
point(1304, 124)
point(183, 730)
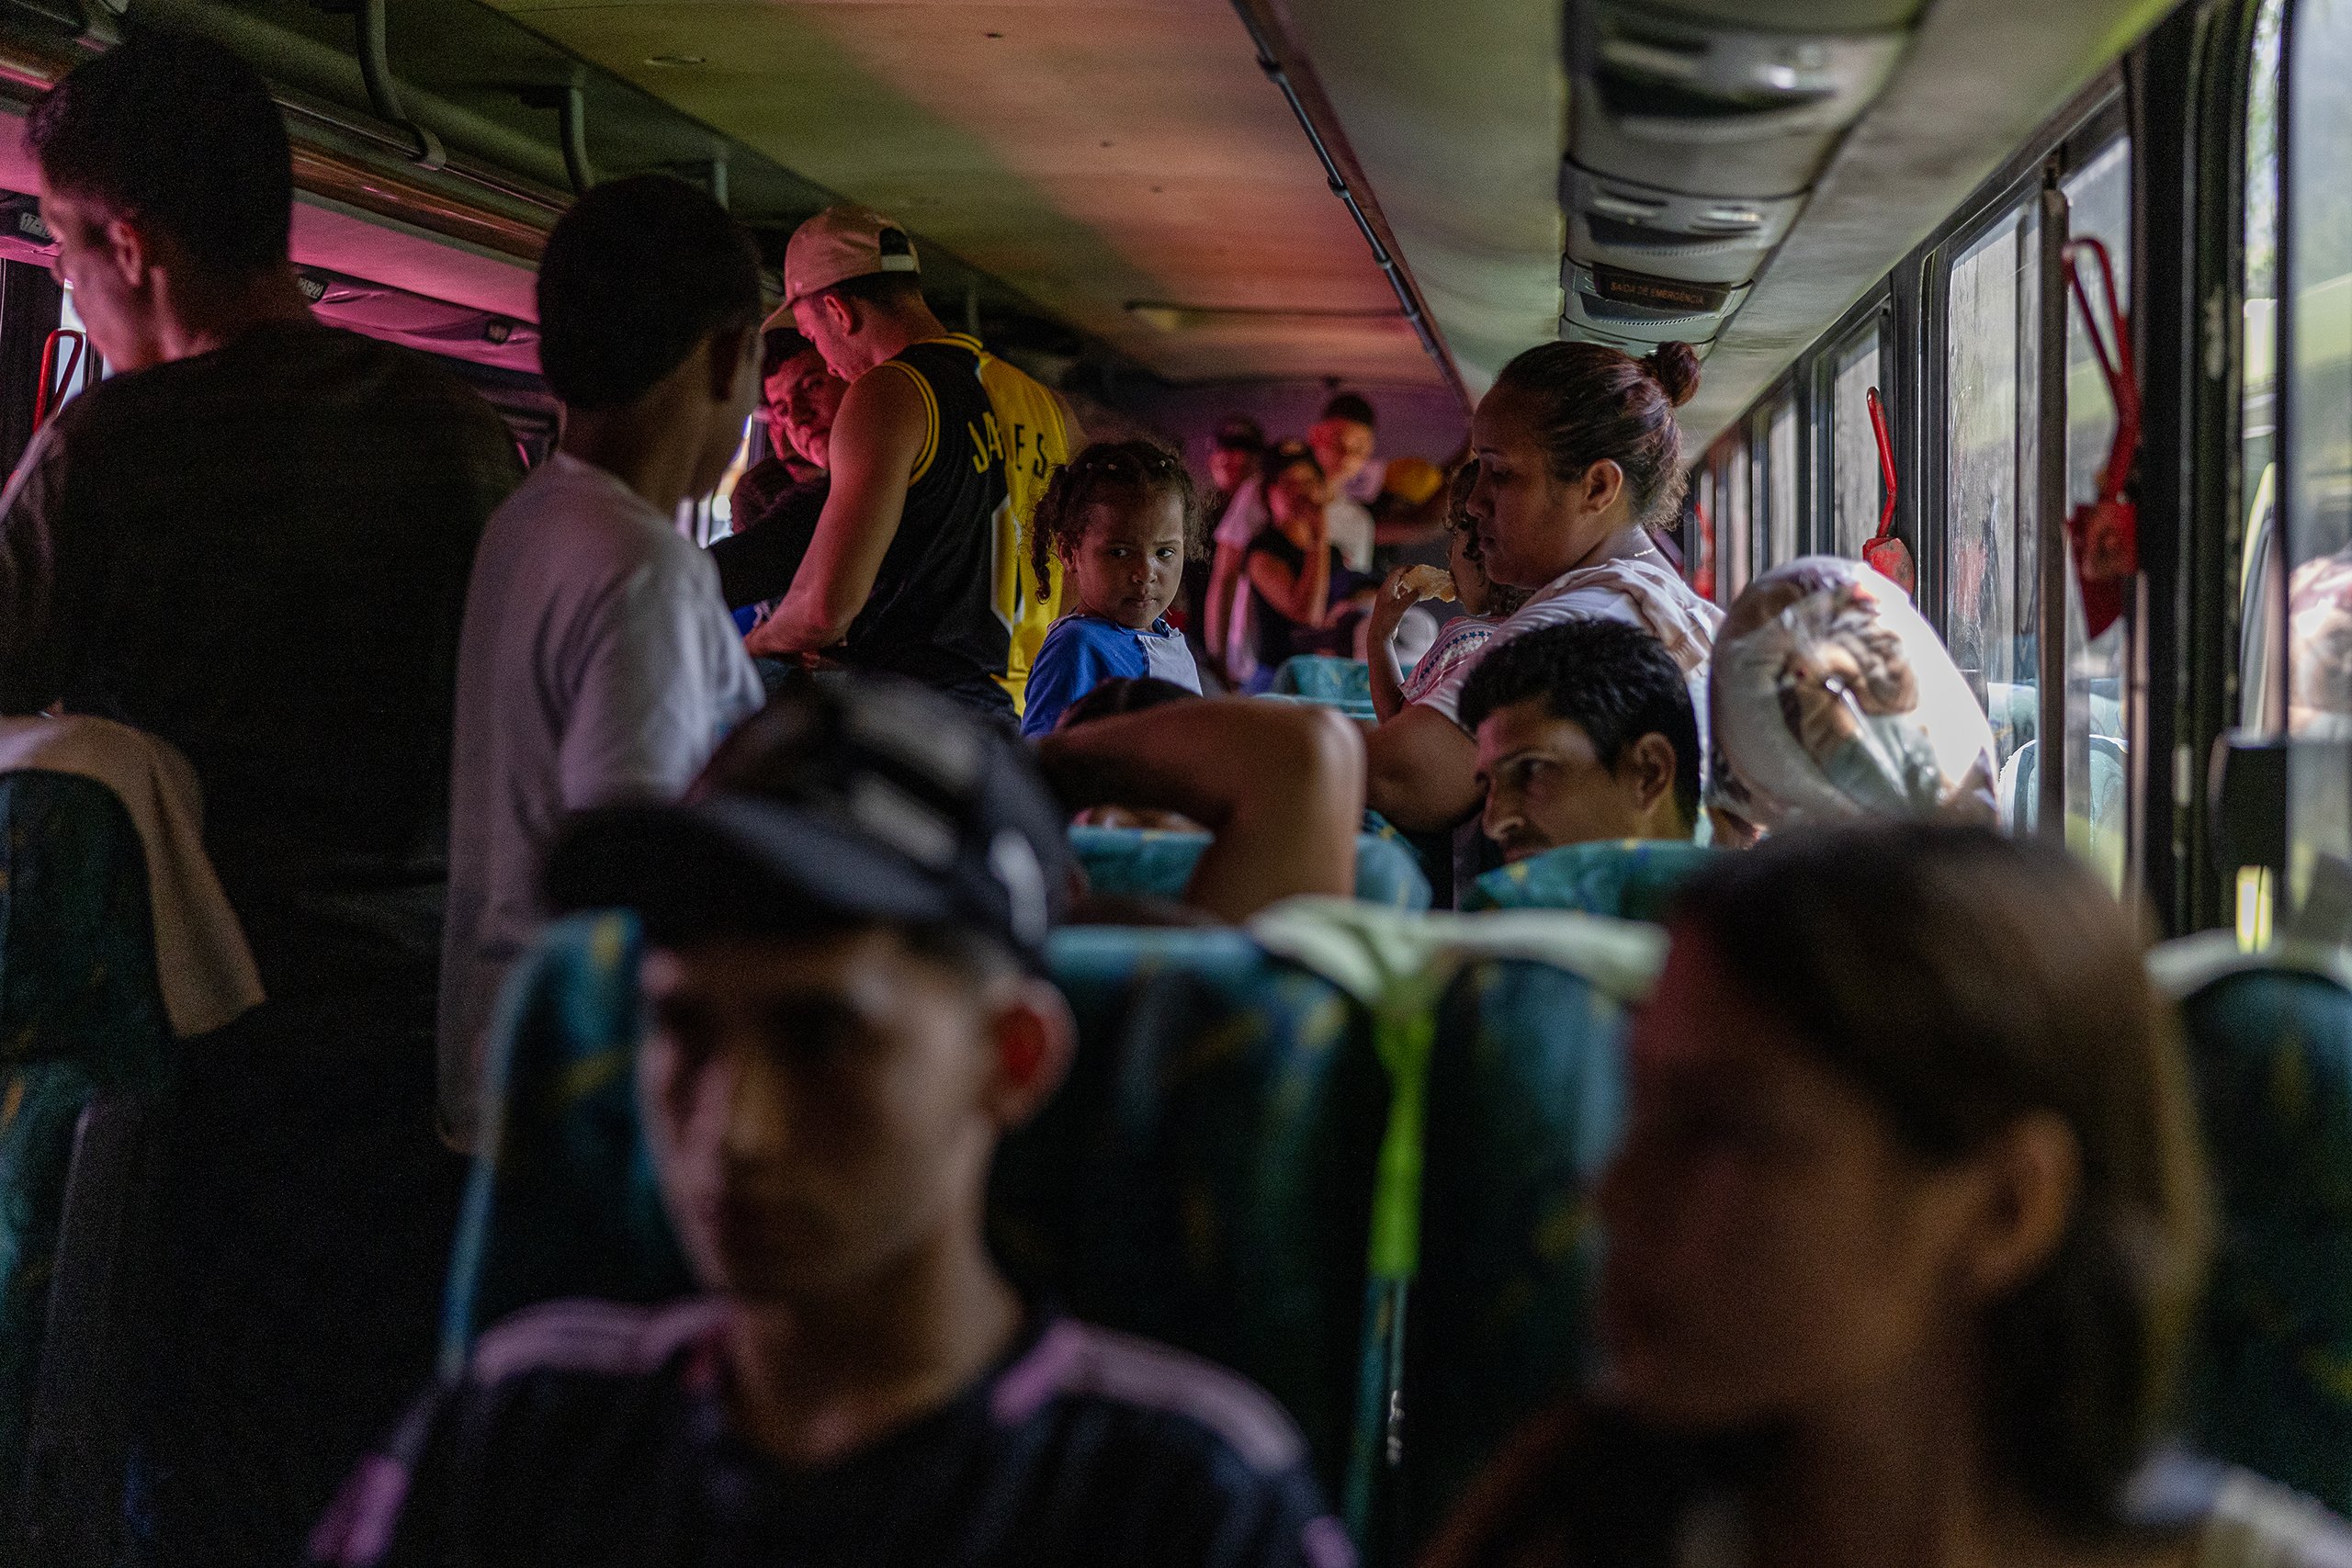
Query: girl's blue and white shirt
point(1084, 651)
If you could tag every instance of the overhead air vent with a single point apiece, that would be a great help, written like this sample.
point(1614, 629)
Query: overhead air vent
point(1698, 239)
point(1697, 130)
point(1702, 106)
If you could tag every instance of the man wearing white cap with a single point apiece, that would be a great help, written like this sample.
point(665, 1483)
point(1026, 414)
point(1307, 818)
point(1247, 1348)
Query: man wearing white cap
point(919, 565)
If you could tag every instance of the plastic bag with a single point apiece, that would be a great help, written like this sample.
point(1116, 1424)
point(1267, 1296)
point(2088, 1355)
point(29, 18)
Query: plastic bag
point(1831, 698)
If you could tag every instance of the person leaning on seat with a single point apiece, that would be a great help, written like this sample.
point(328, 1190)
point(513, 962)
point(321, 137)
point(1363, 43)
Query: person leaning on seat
point(598, 662)
point(919, 564)
point(252, 541)
point(1586, 734)
point(847, 1009)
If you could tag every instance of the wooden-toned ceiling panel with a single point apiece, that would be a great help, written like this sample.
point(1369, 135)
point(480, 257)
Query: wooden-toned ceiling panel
point(1091, 155)
point(1457, 113)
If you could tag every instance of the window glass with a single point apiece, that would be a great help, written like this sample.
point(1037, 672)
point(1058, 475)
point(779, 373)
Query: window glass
point(1992, 320)
point(1699, 548)
point(1780, 541)
point(2261, 673)
point(2318, 252)
point(92, 369)
point(2098, 200)
point(1731, 493)
point(1857, 490)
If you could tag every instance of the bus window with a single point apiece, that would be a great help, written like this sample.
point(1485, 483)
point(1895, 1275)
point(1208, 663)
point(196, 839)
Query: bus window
point(1736, 563)
point(1992, 309)
point(2098, 200)
point(91, 371)
point(2262, 585)
point(2318, 253)
point(1855, 487)
point(1780, 495)
point(1699, 532)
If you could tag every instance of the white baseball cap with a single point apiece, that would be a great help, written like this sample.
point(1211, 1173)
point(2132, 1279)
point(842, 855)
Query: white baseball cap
point(841, 243)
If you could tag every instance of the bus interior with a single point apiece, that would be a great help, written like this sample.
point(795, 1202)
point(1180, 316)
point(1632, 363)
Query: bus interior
point(1863, 214)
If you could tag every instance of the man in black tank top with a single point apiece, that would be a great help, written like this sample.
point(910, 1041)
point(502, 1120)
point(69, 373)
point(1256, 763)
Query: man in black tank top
point(900, 575)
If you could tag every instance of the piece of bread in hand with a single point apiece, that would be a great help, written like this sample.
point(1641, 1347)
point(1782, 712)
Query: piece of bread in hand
point(1431, 582)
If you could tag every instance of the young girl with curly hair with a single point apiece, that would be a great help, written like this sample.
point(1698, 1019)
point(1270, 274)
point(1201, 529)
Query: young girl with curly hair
point(1121, 519)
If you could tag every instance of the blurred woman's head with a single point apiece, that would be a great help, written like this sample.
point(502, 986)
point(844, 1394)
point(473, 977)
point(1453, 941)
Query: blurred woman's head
point(1296, 491)
point(1576, 442)
point(1906, 1111)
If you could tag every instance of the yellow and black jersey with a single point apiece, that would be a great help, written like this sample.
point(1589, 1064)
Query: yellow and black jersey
point(1033, 437)
point(956, 603)
point(933, 615)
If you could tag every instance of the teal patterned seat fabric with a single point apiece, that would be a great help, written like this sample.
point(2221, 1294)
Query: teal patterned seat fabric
point(1634, 879)
point(1204, 1177)
point(1146, 863)
point(81, 1016)
point(1342, 683)
point(562, 1199)
point(2272, 1384)
point(1526, 1096)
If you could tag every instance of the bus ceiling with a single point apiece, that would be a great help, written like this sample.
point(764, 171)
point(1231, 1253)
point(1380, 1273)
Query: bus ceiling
point(1120, 185)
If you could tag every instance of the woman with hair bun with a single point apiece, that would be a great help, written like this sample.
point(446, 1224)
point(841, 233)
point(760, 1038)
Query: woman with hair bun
point(1580, 459)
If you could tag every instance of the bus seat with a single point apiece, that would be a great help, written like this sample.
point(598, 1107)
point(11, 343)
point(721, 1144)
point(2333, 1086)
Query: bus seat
point(561, 1199)
point(84, 1050)
point(2270, 1043)
point(1205, 1176)
point(1401, 968)
point(1158, 864)
point(1634, 879)
point(2020, 797)
point(1526, 1096)
point(1342, 683)
point(2013, 710)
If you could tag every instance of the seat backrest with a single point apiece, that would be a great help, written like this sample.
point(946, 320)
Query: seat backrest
point(1148, 863)
point(1633, 879)
point(1342, 683)
point(1204, 1177)
point(562, 1199)
point(2271, 1383)
point(1526, 1096)
point(82, 1027)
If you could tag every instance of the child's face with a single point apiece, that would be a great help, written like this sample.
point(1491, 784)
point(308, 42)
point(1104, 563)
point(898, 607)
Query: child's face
point(1130, 560)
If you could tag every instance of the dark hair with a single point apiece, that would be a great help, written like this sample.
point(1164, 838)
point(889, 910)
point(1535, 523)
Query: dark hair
point(1502, 599)
point(1283, 456)
point(889, 290)
point(1123, 694)
point(179, 132)
point(636, 276)
point(1112, 473)
point(1351, 406)
point(779, 347)
point(1614, 682)
point(1960, 980)
point(1239, 433)
point(1588, 401)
